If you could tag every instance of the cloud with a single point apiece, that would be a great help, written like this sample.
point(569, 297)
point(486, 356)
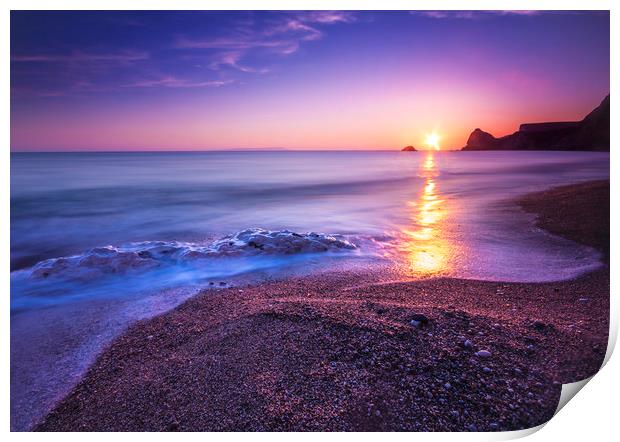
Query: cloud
point(231, 59)
point(282, 35)
point(246, 44)
point(327, 17)
point(477, 14)
point(82, 57)
point(174, 82)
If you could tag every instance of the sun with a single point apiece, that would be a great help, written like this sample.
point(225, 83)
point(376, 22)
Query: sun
point(432, 140)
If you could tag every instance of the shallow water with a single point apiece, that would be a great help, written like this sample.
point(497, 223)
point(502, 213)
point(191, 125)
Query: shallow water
point(64, 204)
point(424, 214)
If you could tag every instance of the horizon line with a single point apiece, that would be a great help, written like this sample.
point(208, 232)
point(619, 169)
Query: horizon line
point(270, 149)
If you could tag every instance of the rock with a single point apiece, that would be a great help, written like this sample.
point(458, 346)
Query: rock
point(467, 344)
point(541, 326)
point(418, 320)
point(483, 354)
point(487, 370)
point(447, 386)
point(472, 427)
point(481, 140)
point(419, 317)
point(493, 426)
point(408, 149)
point(591, 133)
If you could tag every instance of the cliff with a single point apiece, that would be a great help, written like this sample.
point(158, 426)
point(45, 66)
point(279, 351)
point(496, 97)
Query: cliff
point(591, 133)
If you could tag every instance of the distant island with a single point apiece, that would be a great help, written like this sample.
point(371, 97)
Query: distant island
point(408, 149)
point(591, 133)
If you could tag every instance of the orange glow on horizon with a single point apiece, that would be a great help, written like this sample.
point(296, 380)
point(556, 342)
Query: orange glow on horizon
point(432, 141)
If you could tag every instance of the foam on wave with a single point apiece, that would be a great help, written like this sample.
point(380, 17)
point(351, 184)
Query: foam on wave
point(151, 254)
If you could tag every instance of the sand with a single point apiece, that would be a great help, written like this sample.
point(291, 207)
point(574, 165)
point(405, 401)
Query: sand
point(339, 351)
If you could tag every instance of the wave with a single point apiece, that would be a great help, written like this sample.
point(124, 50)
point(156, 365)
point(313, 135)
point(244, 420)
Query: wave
point(151, 254)
point(155, 265)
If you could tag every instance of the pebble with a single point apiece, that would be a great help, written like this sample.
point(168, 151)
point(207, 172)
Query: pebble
point(472, 427)
point(487, 370)
point(417, 317)
point(467, 344)
point(494, 426)
point(483, 354)
point(583, 299)
point(447, 386)
point(454, 413)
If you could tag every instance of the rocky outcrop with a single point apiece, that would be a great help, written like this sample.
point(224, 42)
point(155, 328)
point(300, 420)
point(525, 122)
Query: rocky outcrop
point(481, 140)
point(408, 149)
point(591, 133)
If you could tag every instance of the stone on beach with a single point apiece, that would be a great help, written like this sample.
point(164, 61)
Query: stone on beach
point(418, 320)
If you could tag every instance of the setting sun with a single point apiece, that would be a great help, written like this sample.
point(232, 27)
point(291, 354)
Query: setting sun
point(432, 141)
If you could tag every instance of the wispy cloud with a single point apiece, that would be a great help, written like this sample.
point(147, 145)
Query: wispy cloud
point(232, 60)
point(282, 36)
point(174, 82)
point(81, 57)
point(238, 46)
point(449, 14)
point(327, 17)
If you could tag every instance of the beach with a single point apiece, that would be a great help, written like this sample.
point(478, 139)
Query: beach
point(361, 350)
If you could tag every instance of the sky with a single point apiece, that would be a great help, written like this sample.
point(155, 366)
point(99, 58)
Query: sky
point(198, 80)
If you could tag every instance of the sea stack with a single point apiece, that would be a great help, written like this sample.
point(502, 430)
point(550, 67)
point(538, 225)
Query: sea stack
point(408, 149)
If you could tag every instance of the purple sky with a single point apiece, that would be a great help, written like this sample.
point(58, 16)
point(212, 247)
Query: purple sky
point(312, 80)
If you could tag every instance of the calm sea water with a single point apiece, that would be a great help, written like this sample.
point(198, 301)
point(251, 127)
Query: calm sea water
point(64, 204)
point(424, 214)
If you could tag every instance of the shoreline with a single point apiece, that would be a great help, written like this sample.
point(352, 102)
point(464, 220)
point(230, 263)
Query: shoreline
point(339, 351)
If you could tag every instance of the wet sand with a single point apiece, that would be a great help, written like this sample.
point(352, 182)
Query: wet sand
point(351, 351)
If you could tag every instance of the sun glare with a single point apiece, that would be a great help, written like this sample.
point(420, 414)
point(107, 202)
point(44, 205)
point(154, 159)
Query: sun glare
point(432, 141)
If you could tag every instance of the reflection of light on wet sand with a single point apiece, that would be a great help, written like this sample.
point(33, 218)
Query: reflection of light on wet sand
point(425, 249)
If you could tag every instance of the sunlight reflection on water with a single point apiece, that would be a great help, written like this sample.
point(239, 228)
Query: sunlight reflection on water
point(425, 248)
